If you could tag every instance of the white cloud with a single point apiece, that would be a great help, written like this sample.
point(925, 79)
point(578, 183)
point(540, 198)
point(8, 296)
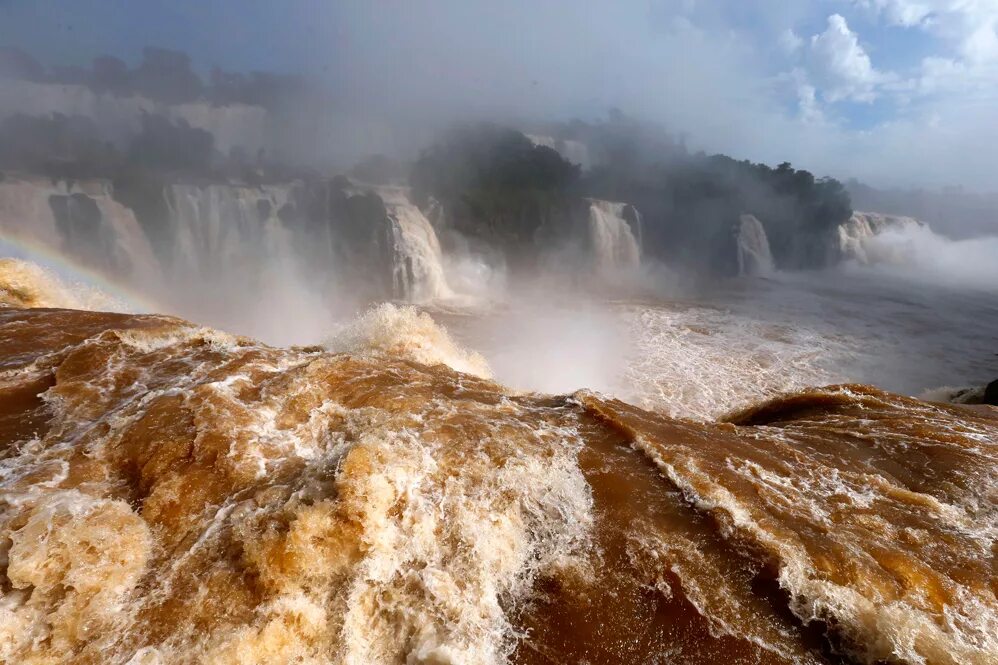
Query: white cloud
point(907, 13)
point(968, 27)
point(839, 65)
point(981, 45)
point(964, 64)
point(789, 41)
point(740, 78)
point(810, 109)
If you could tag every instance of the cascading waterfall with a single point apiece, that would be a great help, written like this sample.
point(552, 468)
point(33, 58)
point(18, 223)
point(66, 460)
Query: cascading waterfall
point(909, 247)
point(856, 234)
point(614, 244)
point(754, 255)
point(234, 254)
point(222, 228)
point(417, 268)
point(79, 219)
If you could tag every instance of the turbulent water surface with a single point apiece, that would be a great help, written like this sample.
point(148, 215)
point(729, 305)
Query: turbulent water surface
point(175, 494)
point(732, 343)
point(571, 479)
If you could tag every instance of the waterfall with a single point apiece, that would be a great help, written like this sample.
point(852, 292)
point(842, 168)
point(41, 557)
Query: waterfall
point(417, 266)
point(856, 236)
point(235, 263)
point(227, 228)
point(639, 225)
point(81, 220)
point(909, 247)
point(754, 255)
point(613, 242)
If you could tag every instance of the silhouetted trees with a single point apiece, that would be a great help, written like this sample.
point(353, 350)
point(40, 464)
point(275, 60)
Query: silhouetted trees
point(480, 159)
point(163, 75)
point(380, 169)
point(166, 146)
point(56, 145)
point(110, 75)
point(16, 64)
point(496, 184)
point(166, 76)
point(70, 147)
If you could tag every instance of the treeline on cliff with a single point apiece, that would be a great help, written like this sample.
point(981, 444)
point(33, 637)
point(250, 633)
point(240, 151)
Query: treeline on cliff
point(162, 75)
point(71, 146)
point(496, 185)
point(61, 145)
point(494, 182)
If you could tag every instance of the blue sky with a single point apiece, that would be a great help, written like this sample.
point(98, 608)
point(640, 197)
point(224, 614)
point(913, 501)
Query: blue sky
point(892, 91)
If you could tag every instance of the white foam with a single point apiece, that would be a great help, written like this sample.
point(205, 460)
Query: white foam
point(909, 247)
point(26, 284)
point(878, 630)
point(701, 363)
point(404, 332)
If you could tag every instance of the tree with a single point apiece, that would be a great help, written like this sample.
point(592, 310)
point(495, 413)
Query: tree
point(166, 76)
point(110, 74)
point(16, 64)
point(163, 145)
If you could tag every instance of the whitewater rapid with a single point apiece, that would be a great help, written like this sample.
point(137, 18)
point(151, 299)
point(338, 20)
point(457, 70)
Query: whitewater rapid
point(174, 494)
point(894, 245)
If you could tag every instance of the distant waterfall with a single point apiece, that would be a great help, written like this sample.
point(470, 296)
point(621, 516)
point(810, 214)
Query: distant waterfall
point(418, 268)
point(78, 219)
point(223, 228)
point(909, 247)
point(614, 244)
point(856, 236)
point(754, 255)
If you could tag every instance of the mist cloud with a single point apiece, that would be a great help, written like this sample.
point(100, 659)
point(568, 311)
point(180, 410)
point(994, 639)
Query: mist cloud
point(813, 84)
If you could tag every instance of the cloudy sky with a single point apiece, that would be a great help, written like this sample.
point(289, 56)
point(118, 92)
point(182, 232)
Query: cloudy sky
point(894, 92)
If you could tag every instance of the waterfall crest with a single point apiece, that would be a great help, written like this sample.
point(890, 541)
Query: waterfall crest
point(856, 236)
point(910, 247)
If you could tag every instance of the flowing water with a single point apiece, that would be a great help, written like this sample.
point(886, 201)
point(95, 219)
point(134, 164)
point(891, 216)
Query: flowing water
point(175, 494)
point(614, 244)
point(754, 255)
point(726, 345)
point(857, 235)
point(418, 266)
point(81, 219)
point(684, 486)
point(223, 230)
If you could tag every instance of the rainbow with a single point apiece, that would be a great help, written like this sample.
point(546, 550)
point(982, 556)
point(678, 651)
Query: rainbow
point(73, 272)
